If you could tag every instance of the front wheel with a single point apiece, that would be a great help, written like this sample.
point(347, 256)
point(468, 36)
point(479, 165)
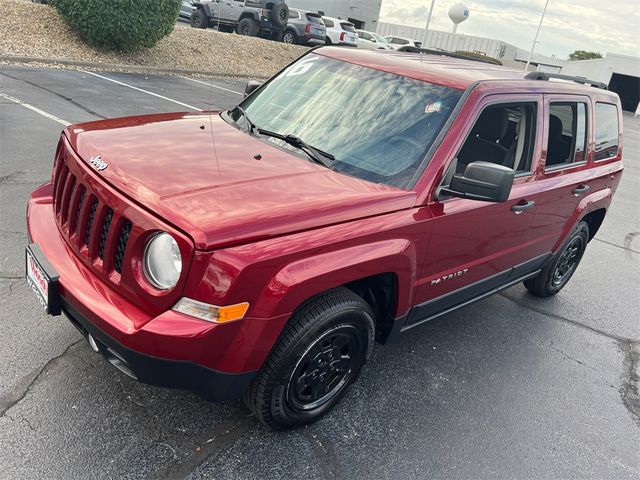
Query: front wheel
point(319, 355)
point(199, 18)
point(561, 268)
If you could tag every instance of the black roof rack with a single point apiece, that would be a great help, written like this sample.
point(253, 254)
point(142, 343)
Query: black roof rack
point(549, 76)
point(429, 51)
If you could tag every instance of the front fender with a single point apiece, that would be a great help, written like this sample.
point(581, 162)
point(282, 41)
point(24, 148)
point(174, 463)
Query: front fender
point(310, 276)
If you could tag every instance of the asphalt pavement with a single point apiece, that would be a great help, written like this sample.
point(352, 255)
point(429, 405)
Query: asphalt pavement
point(510, 387)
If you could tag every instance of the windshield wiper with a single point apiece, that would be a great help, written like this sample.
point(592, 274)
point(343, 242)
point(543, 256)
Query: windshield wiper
point(252, 126)
point(315, 154)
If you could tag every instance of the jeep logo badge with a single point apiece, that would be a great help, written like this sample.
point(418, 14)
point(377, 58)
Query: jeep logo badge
point(97, 163)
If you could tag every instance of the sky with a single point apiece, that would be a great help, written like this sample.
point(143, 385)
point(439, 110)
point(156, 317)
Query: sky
point(594, 25)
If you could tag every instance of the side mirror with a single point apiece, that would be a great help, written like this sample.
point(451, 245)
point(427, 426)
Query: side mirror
point(252, 86)
point(483, 181)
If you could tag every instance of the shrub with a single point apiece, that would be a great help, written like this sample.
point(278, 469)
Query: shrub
point(480, 56)
point(123, 25)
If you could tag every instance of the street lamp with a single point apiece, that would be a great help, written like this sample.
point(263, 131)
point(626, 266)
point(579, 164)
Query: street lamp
point(535, 40)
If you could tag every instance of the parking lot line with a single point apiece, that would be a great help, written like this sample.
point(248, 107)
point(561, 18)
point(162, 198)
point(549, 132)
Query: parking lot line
point(35, 109)
point(144, 91)
point(209, 84)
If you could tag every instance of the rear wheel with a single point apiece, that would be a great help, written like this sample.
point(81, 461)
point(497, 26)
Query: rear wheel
point(327, 41)
point(247, 27)
point(289, 37)
point(559, 271)
point(199, 18)
point(318, 356)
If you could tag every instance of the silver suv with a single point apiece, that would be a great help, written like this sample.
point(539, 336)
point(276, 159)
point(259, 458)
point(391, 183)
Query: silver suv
point(304, 28)
point(265, 18)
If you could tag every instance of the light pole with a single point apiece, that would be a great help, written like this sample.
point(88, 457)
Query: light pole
point(535, 40)
point(426, 28)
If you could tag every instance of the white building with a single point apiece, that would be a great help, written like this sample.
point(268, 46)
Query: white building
point(620, 72)
point(509, 55)
point(362, 13)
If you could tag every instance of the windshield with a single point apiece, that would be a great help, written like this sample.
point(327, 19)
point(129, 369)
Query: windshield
point(379, 38)
point(377, 125)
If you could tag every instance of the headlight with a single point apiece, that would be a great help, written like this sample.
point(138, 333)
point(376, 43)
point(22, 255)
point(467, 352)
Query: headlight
point(162, 261)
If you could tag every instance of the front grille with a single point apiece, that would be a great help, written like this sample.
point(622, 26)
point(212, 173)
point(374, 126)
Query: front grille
point(92, 213)
point(123, 238)
point(104, 232)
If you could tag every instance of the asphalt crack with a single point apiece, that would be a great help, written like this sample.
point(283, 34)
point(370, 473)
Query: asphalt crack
point(208, 445)
point(64, 97)
point(20, 391)
point(323, 451)
point(629, 386)
point(612, 336)
point(627, 243)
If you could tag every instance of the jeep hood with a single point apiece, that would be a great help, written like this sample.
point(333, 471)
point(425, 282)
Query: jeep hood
point(221, 185)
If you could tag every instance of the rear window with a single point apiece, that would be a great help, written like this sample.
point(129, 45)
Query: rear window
point(348, 27)
point(606, 131)
point(314, 18)
point(327, 22)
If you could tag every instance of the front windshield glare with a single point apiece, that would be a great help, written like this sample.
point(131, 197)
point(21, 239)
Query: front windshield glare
point(378, 126)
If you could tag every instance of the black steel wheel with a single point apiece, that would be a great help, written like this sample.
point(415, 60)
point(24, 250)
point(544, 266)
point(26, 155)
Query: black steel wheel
point(318, 356)
point(557, 273)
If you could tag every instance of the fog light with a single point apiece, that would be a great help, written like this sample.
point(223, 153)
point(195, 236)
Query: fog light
point(211, 313)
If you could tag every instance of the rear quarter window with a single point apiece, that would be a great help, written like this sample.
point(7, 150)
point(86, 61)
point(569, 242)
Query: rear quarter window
point(294, 14)
point(606, 131)
point(328, 23)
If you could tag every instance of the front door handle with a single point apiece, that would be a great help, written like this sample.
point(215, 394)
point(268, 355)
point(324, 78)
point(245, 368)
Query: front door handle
point(518, 208)
point(580, 189)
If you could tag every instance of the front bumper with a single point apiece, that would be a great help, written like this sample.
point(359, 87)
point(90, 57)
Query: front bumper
point(171, 349)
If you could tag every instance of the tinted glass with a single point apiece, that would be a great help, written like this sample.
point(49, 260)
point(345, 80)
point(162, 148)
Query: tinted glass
point(327, 22)
point(567, 131)
point(294, 14)
point(606, 131)
point(348, 27)
point(378, 126)
point(314, 19)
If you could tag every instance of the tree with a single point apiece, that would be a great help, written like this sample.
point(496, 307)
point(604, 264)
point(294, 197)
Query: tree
point(123, 25)
point(584, 55)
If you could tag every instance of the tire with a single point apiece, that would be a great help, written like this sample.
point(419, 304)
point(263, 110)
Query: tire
point(247, 27)
point(302, 379)
point(199, 18)
point(279, 15)
point(327, 41)
point(289, 37)
point(563, 265)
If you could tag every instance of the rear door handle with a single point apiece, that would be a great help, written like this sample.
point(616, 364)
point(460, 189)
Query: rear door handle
point(518, 208)
point(580, 189)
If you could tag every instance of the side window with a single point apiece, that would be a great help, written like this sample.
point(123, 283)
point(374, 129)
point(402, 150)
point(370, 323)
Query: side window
point(606, 131)
point(567, 134)
point(328, 23)
point(503, 134)
point(294, 14)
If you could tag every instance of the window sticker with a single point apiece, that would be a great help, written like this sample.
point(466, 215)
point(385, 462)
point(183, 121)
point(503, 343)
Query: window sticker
point(300, 68)
point(433, 107)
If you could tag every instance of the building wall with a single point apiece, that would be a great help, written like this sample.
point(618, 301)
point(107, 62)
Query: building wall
point(601, 69)
point(367, 11)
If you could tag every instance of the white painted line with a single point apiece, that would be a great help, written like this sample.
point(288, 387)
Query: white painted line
point(144, 91)
point(209, 84)
point(35, 109)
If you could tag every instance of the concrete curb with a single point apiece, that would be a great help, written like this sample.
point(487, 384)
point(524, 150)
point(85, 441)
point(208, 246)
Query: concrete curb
point(124, 68)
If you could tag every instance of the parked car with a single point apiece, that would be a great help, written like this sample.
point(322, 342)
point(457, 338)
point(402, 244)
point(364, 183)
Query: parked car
point(265, 18)
point(261, 251)
point(304, 28)
point(186, 9)
point(340, 32)
point(397, 42)
point(372, 41)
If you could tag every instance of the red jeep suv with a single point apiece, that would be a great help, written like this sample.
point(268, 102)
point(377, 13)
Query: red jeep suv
point(262, 251)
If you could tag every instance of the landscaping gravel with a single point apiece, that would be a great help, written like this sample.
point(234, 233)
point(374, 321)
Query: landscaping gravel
point(46, 35)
